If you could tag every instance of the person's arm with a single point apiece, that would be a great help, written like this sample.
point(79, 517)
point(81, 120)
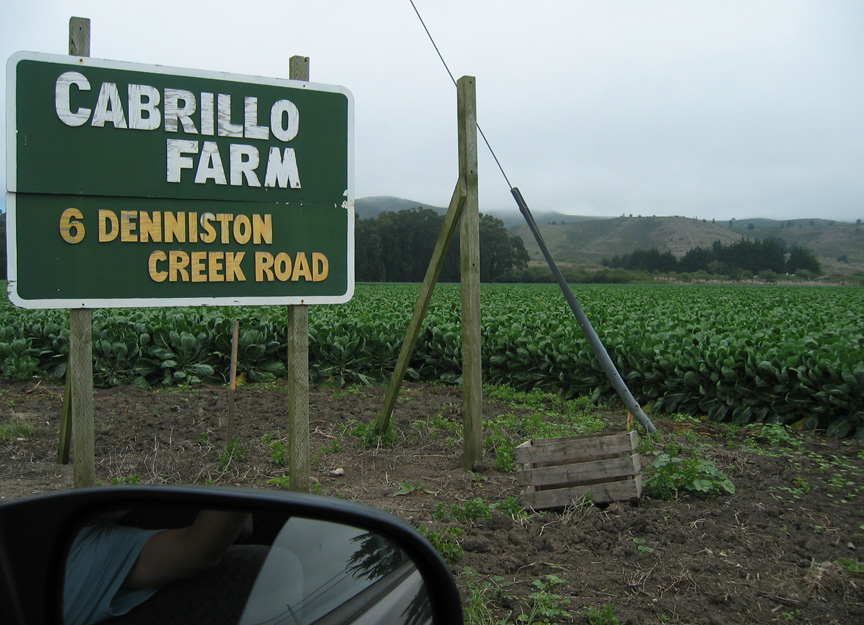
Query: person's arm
point(179, 553)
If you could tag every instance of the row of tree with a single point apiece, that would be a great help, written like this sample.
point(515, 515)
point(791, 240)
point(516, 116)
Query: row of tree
point(754, 256)
point(397, 247)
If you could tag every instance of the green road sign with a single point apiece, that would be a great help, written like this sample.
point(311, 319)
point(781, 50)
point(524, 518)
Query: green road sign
point(136, 185)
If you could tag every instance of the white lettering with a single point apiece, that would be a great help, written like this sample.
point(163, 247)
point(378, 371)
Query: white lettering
point(226, 127)
point(207, 115)
point(284, 111)
point(244, 161)
point(108, 107)
point(63, 98)
point(250, 121)
point(174, 112)
point(176, 162)
point(210, 165)
point(282, 169)
point(144, 99)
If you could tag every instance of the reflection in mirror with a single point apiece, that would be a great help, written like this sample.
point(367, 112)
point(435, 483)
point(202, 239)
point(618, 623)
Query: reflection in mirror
point(162, 566)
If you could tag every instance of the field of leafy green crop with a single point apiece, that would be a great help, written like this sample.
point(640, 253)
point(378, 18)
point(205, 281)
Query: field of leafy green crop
point(735, 353)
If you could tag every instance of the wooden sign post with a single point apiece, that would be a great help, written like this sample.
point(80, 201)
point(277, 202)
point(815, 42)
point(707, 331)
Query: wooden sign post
point(79, 369)
point(298, 362)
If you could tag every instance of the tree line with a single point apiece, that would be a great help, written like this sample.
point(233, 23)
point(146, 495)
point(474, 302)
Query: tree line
point(733, 260)
point(397, 247)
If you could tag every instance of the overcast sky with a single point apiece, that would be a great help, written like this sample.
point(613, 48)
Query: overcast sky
point(714, 109)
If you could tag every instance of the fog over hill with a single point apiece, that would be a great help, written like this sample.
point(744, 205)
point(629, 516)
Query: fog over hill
point(586, 240)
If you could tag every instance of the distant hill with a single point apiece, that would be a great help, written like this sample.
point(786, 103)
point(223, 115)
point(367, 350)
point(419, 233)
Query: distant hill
point(585, 241)
point(588, 243)
point(367, 207)
point(514, 218)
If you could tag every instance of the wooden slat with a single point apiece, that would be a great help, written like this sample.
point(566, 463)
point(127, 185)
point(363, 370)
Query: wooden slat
point(581, 472)
point(548, 450)
point(600, 493)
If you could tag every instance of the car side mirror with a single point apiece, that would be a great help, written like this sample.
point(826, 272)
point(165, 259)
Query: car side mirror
point(190, 554)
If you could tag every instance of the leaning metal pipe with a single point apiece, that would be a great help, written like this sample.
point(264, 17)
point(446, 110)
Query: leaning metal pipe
point(596, 344)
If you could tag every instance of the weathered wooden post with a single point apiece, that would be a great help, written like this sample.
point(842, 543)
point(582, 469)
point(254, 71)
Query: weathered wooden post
point(298, 361)
point(472, 373)
point(80, 363)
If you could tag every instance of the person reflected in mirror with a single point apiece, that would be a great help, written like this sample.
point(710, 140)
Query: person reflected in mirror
point(185, 575)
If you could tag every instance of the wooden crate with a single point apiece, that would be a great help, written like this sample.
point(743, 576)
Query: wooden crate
point(558, 472)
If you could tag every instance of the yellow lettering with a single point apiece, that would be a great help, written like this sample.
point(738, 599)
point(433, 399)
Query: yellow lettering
point(155, 274)
point(175, 228)
point(150, 226)
point(320, 267)
point(263, 267)
point(209, 235)
point(193, 227)
point(214, 265)
point(282, 266)
point(224, 220)
point(301, 268)
point(233, 271)
point(199, 267)
point(262, 229)
point(127, 226)
point(242, 229)
point(177, 264)
point(109, 226)
point(71, 228)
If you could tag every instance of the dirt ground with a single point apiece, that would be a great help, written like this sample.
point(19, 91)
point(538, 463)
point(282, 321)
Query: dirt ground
point(787, 547)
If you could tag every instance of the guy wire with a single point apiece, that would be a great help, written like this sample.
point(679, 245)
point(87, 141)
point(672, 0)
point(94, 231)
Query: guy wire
point(446, 67)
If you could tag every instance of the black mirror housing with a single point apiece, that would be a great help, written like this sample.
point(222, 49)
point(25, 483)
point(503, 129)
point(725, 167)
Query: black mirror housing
point(36, 534)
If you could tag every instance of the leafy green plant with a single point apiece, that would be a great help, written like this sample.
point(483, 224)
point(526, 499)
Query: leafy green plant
point(851, 566)
point(512, 507)
point(17, 358)
point(406, 488)
point(333, 448)
point(278, 451)
point(547, 605)
point(700, 352)
point(604, 615)
point(366, 433)
point(480, 595)
point(234, 454)
point(645, 446)
point(777, 435)
point(642, 547)
point(282, 481)
point(671, 475)
point(122, 480)
point(477, 508)
point(445, 542)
